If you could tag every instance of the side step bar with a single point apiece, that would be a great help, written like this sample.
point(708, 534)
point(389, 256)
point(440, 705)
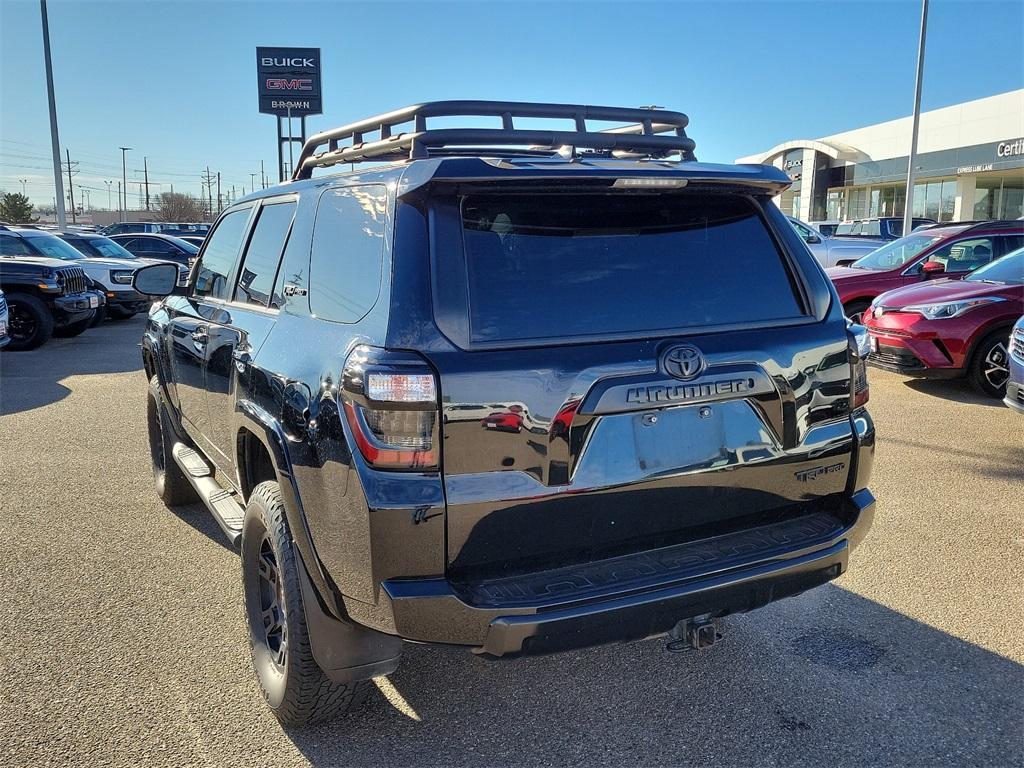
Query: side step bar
point(222, 505)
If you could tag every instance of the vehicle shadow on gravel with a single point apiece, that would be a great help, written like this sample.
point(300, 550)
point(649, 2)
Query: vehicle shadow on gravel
point(827, 678)
point(34, 379)
point(958, 390)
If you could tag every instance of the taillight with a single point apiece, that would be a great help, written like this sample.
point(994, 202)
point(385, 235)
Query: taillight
point(858, 347)
point(390, 401)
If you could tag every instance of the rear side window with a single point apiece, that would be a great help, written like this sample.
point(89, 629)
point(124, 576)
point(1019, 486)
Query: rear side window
point(348, 250)
point(259, 268)
point(562, 265)
point(219, 256)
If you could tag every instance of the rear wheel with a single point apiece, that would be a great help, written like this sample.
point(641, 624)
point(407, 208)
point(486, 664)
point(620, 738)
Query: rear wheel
point(29, 321)
point(855, 309)
point(171, 484)
point(990, 365)
point(293, 684)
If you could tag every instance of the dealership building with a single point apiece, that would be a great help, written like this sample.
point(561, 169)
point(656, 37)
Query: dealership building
point(970, 165)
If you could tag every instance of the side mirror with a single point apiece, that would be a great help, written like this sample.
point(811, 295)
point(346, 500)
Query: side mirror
point(156, 279)
point(932, 269)
point(812, 239)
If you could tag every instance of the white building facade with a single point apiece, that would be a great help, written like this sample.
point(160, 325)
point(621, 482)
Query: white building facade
point(970, 166)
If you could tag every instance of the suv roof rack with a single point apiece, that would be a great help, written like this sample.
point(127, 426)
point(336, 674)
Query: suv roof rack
point(647, 132)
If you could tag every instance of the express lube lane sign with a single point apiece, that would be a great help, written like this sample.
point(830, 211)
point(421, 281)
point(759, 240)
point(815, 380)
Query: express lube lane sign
point(289, 81)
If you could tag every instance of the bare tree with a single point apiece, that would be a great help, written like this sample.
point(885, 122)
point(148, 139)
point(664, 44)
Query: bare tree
point(177, 206)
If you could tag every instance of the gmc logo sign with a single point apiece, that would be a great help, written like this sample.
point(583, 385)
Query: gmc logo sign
point(284, 84)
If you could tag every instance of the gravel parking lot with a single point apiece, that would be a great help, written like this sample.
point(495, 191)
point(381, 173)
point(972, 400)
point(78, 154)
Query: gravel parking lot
point(124, 640)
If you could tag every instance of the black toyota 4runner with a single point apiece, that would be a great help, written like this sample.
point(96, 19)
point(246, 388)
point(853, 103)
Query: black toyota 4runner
point(513, 389)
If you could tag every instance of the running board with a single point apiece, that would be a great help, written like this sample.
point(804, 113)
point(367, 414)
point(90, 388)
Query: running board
point(222, 505)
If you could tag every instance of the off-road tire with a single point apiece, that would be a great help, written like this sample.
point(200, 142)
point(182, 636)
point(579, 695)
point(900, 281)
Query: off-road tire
point(294, 686)
point(171, 485)
point(981, 361)
point(40, 316)
point(73, 329)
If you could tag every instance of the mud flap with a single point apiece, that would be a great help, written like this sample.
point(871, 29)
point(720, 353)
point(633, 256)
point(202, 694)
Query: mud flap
point(345, 651)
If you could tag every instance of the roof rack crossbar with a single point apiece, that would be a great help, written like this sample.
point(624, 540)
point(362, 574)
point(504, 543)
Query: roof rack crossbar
point(646, 132)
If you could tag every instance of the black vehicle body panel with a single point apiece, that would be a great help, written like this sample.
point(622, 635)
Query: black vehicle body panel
point(409, 553)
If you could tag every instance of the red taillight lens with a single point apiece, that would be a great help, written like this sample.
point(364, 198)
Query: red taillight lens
point(390, 401)
point(857, 346)
point(394, 439)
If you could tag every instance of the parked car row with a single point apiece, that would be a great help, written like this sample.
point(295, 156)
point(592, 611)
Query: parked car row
point(177, 229)
point(942, 303)
point(62, 283)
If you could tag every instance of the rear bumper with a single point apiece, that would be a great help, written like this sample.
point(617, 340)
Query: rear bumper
point(636, 597)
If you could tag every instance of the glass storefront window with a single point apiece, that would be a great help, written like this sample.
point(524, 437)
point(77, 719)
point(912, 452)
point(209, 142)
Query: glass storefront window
point(947, 200)
point(919, 199)
point(999, 197)
point(931, 200)
point(834, 205)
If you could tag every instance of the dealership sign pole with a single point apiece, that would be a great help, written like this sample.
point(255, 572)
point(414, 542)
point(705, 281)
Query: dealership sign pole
point(908, 207)
point(288, 86)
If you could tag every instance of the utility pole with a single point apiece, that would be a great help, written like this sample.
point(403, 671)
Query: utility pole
point(252, 183)
point(145, 172)
point(120, 212)
point(908, 209)
point(58, 182)
point(232, 193)
point(263, 175)
point(71, 187)
point(108, 183)
point(124, 178)
point(23, 183)
point(220, 205)
point(208, 181)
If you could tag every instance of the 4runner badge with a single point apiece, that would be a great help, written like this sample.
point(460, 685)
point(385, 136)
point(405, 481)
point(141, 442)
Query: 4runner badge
point(810, 474)
point(682, 361)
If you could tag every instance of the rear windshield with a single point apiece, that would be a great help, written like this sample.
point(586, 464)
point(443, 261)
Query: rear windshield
point(545, 266)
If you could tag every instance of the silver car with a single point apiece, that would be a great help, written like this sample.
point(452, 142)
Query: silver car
point(835, 251)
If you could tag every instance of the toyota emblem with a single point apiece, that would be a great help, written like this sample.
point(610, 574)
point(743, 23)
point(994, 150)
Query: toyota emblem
point(682, 361)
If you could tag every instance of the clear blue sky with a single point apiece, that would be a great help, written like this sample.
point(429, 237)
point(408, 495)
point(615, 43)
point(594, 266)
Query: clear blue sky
point(176, 80)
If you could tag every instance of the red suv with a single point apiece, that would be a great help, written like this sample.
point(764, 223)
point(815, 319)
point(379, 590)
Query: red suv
point(951, 328)
point(946, 250)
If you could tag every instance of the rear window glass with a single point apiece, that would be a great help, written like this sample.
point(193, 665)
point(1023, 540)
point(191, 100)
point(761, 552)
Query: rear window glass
point(348, 250)
point(564, 265)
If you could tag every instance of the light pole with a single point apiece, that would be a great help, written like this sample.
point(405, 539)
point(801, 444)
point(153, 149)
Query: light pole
point(908, 209)
point(23, 183)
point(124, 178)
point(58, 182)
point(108, 183)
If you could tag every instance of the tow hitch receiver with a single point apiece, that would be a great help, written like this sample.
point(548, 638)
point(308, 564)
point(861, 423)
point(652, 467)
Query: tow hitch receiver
point(692, 634)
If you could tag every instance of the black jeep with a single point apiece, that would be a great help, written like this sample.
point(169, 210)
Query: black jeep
point(43, 296)
point(513, 389)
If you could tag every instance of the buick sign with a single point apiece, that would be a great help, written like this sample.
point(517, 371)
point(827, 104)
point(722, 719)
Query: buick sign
point(288, 81)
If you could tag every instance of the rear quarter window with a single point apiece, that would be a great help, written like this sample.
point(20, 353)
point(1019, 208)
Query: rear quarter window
point(348, 251)
point(558, 266)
